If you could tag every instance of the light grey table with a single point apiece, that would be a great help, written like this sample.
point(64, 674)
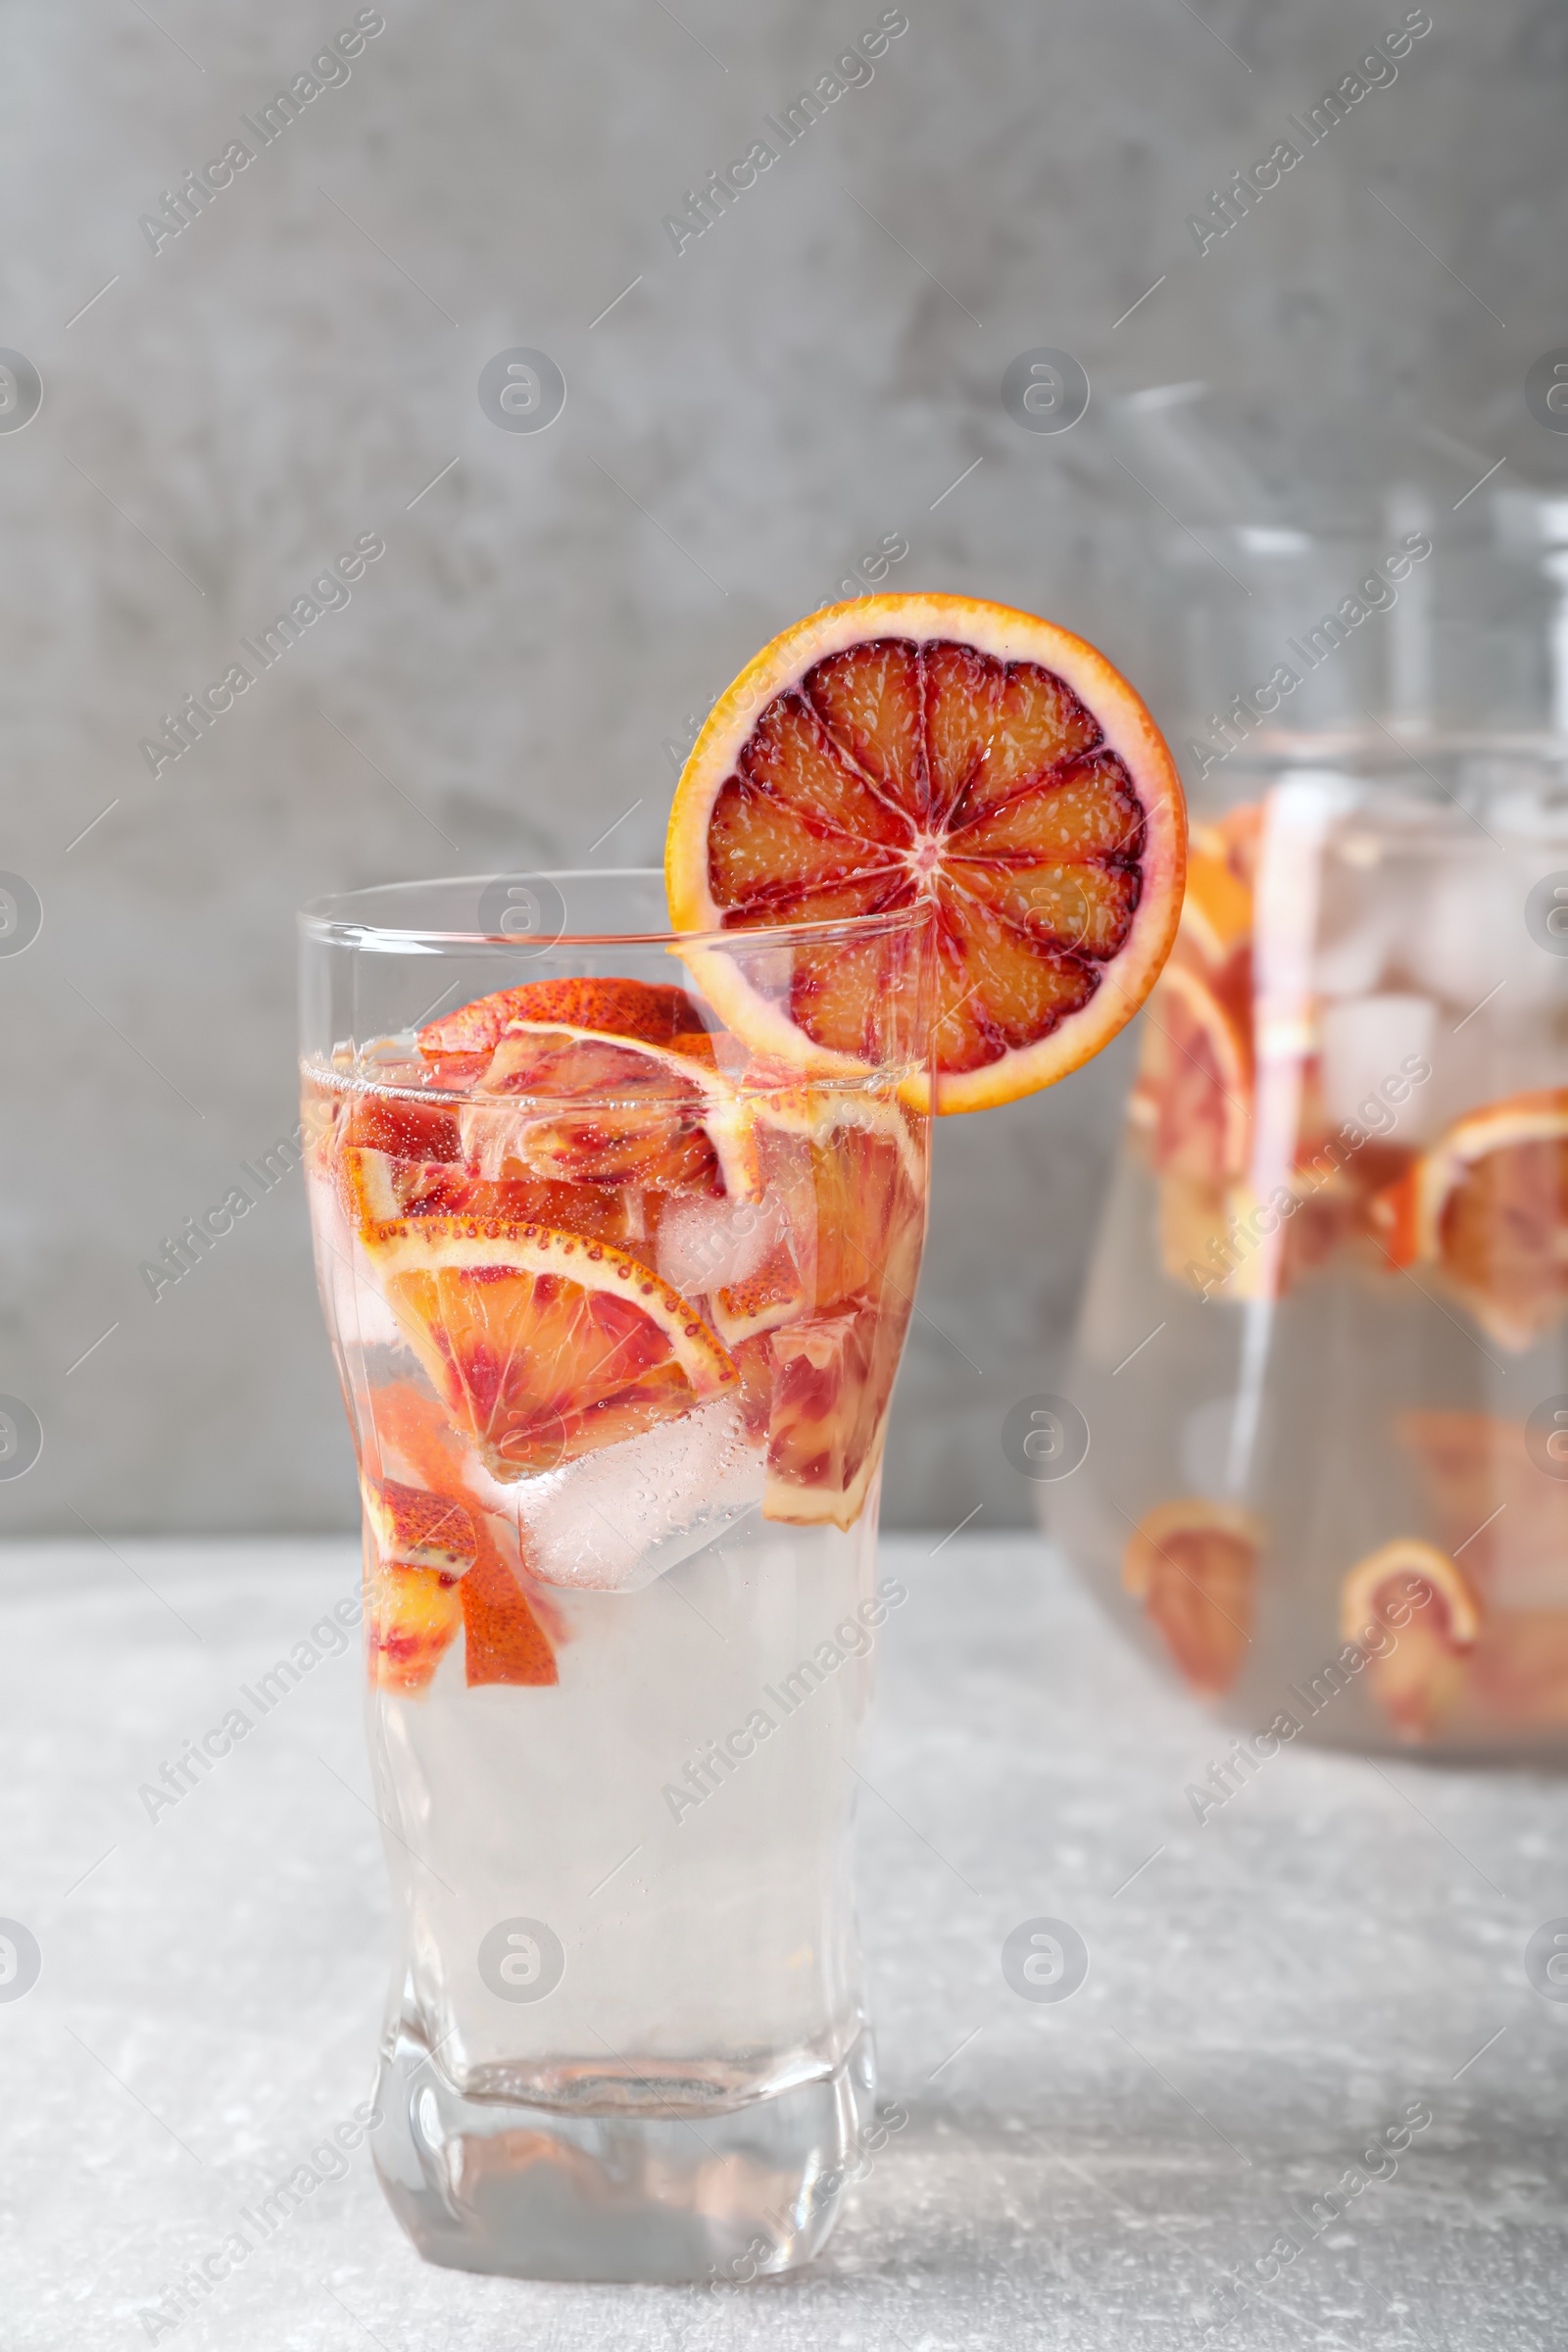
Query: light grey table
point(1266, 1991)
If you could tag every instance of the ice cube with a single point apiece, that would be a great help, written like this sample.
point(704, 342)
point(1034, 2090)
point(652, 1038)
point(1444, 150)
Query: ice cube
point(356, 1308)
point(706, 1246)
point(1352, 947)
point(1365, 1041)
point(1465, 937)
point(613, 1521)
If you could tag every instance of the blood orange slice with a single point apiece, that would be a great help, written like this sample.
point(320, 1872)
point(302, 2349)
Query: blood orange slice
point(771, 1294)
point(1491, 1501)
point(1238, 837)
point(811, 1288)
point(412, 1618)
point(377, 1189)
point(1488, 1206)
point(1193, 1092)
point(502, 1642)
point(936, 747)
point(1518, 1679)
point(623, 1008)
point(1416, 1611)
point(416, 1530)
point(1217, 909)
point(543, 1346)
point(1412, 1570)
point(850, 1172)
point(504, 1623)
point(1194, 1565)
point(575, 1105)
point(400, 1125)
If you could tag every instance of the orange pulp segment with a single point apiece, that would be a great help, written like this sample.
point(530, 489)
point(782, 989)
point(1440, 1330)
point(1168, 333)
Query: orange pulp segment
point(377, 1190)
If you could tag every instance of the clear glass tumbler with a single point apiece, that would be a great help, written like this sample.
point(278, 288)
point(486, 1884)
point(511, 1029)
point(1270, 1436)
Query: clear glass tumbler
point(617, 1300)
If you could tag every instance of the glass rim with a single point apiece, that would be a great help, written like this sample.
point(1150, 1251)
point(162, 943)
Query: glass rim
point(332, 920)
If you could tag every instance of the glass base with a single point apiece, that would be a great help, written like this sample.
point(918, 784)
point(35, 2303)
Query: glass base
point(670, 2193)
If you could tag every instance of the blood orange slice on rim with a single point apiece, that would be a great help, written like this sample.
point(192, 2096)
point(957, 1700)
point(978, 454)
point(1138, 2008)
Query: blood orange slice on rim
point(935, 748)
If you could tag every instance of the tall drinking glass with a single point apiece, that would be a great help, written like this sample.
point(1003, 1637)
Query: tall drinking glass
point(618, 1301)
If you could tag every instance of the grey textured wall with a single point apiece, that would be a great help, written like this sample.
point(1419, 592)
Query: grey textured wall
point(296, 365)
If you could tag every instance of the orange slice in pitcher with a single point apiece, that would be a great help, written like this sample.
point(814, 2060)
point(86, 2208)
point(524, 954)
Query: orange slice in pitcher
point(1488, 1206)
point(543, 1346)
point(1193, 1566)
point(575, 1105)
point(1217, 909)
point(1518, 1679)
point(1193, 1090)
point(1419, 1601)
point(1490, 1501)
point(936, 747)
point(656, 1013)
point(1239, 834)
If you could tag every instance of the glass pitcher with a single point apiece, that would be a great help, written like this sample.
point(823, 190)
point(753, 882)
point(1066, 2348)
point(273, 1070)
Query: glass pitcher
point(1323, 1349)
